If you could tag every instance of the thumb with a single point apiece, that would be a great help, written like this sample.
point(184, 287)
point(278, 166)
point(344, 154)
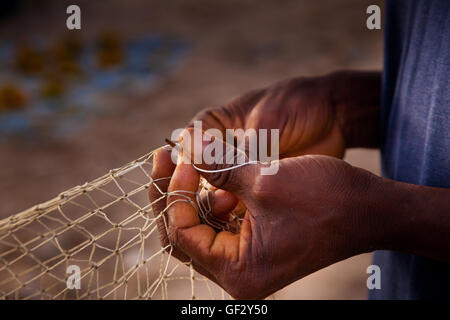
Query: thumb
point(222, 164)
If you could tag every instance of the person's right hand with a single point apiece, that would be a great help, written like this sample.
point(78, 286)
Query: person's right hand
point(306, 217)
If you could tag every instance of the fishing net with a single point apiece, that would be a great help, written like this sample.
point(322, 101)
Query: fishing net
point(108, 230)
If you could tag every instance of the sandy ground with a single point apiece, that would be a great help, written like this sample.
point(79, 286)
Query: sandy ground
point(235, 47)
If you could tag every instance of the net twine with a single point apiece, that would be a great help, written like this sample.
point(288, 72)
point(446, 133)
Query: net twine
point(107, 228)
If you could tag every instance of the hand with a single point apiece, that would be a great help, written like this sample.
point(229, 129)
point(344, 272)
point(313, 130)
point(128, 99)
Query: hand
point(300, 220)
point(274, 247)
point(315, 211)
point(322, 115)
point(301, 108)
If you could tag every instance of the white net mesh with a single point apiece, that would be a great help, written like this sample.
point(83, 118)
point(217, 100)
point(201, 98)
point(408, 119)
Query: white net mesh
point(107, 228)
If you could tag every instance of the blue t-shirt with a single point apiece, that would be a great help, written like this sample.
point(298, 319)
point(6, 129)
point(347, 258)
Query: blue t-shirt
point(416, 130)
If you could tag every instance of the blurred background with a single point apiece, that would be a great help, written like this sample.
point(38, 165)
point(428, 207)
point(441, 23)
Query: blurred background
point(74, 104)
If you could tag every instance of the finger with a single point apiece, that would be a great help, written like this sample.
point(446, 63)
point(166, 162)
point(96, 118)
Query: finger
point(163, 168)
point(212, 253)
point(239, 210)
point(199, 241)
point(181, 199)
point(162, 171)
point(222, 165)
point(220, 203)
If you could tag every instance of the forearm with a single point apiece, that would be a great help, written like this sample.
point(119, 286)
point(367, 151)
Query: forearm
point(410, 218)
point(356, 97)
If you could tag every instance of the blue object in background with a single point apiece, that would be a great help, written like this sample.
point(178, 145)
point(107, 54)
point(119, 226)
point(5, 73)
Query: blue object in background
point(14, 123)
point(147, 61)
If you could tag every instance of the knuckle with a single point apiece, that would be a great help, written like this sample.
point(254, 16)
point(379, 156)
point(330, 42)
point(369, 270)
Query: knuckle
point(227, 179)
point(291, 84)
point(212, 117)
point(220, 179)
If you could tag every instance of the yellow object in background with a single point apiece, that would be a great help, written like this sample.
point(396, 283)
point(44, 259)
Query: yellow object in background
point(29, 60)
point(65, 53)
point(110, 50)
point(11, 98)
point(53, 87)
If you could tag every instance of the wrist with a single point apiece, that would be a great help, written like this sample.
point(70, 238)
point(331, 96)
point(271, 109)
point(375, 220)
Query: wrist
point(411, 218)
point(355, 97)
point(364, 211)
